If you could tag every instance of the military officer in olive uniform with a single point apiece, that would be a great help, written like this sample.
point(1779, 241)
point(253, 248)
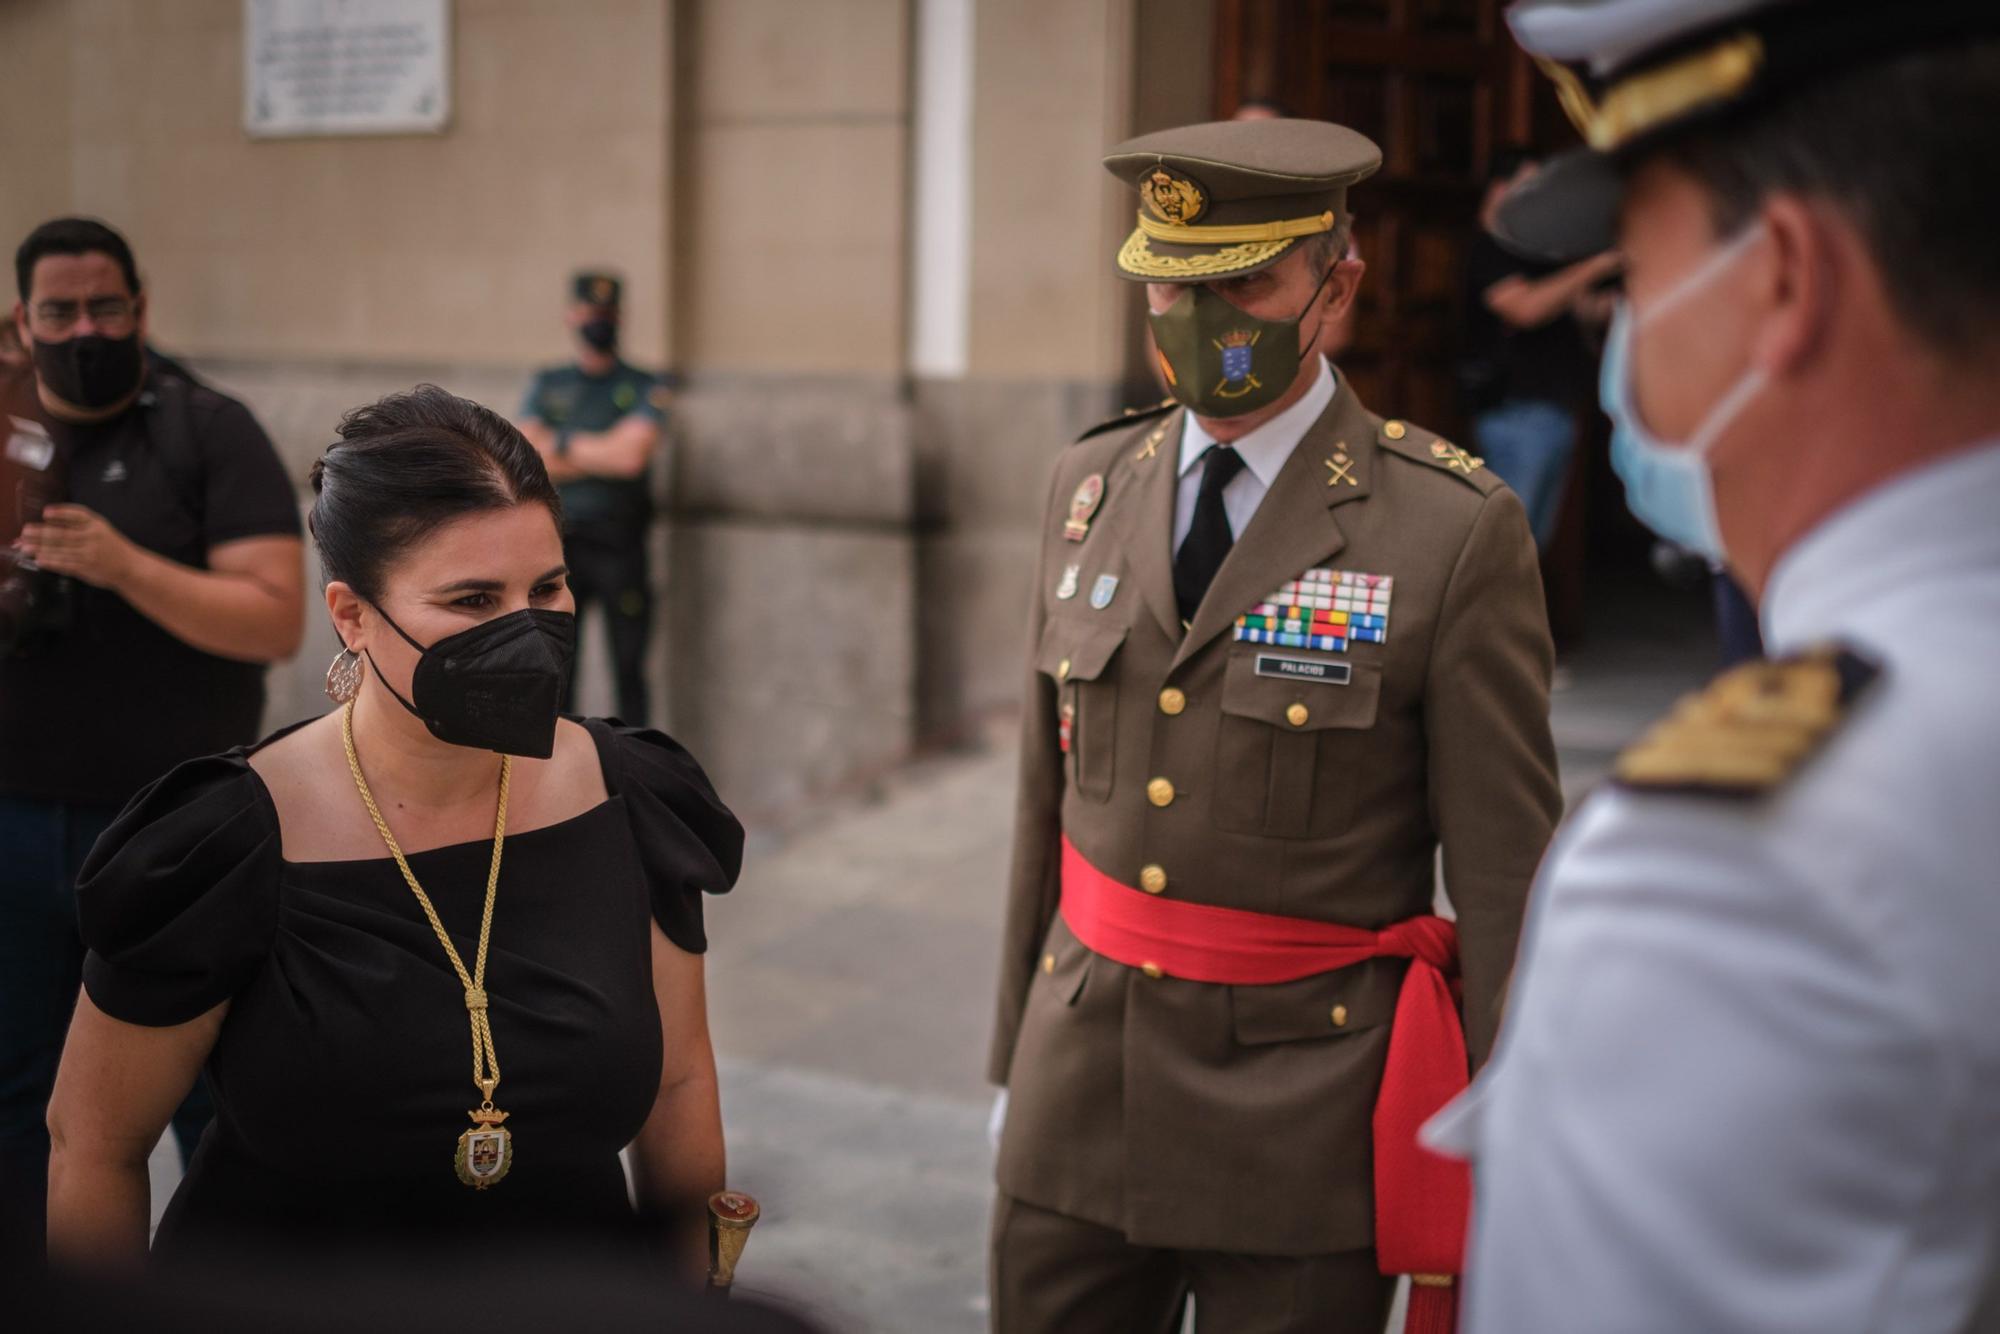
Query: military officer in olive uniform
point(597, 422)
point(1283, 651)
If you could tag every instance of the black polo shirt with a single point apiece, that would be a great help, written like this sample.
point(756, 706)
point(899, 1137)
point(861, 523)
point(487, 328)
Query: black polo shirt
point(114, 701)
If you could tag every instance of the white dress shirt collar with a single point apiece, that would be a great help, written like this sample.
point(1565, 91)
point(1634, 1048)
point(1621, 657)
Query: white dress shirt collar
point(1939, 518)
point(1265, 449)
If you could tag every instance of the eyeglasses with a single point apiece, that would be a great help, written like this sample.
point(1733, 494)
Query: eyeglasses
point(111, 312)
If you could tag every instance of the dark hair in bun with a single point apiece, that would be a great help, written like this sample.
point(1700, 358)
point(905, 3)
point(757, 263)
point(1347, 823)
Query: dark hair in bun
point(404, 466)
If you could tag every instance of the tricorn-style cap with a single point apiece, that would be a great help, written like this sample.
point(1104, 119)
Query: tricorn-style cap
point(593, 287)
point(1632, 73)
point(1230, 197)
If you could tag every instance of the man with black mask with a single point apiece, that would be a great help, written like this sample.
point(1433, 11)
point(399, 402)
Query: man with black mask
point(596, 423)
point(154, 539)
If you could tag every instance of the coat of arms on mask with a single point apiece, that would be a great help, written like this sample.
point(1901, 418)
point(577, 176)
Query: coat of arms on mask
point(1238, 348)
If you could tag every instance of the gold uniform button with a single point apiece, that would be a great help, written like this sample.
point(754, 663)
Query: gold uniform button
point(1048, 963)
point(1152, 970)
point(1160, 792)
point(1062, 670)
point(1172, 701)
point(1153, 879)
point(1395, 430)
point(1297, 715)
point(1340, 1016)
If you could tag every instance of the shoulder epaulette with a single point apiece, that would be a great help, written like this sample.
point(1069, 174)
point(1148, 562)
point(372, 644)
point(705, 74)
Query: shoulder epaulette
point(1129, 417)
point(1414, 442)
point(1752, 729)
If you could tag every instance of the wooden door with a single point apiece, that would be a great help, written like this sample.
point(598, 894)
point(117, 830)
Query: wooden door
point(1439, 84)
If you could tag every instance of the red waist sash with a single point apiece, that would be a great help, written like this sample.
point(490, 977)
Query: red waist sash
point(1421, 1200)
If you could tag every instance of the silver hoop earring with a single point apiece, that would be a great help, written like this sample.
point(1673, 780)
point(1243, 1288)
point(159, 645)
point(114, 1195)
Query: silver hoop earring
point(343, 677)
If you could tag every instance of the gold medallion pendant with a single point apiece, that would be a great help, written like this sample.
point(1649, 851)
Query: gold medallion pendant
point(486, 1152)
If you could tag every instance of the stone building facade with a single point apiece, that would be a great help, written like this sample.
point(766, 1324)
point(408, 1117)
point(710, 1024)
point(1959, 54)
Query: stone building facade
point(872, 236)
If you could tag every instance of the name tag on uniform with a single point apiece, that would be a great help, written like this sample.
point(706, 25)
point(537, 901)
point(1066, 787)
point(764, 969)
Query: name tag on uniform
point(1304, 669)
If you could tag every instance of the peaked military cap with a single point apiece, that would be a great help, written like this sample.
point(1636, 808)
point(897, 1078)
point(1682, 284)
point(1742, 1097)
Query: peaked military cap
point(1231, 197)
point(1632, 73)
point(593, 287)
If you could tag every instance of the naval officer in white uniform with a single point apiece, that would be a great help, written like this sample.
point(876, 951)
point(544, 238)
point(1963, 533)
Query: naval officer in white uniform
point(1750, 1074)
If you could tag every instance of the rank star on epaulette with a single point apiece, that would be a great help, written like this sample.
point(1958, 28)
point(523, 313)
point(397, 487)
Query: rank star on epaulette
point(1752, 729)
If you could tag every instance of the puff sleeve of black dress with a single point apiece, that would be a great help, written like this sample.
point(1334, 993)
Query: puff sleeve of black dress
point(688, 842)
point(178, 901)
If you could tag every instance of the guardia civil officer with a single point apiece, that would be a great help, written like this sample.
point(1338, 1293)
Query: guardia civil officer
point(1283, 650)
point(1751, 1076)
point(597, 422)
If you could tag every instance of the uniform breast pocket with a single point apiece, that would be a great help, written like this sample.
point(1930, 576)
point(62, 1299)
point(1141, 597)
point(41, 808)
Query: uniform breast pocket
point(1272, 774)
point(1078, 658)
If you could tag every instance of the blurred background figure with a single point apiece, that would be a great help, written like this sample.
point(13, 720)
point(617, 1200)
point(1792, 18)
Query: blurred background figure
point(1526, 369)
point(154, 568)
point(1261, 108)
point(597, 422)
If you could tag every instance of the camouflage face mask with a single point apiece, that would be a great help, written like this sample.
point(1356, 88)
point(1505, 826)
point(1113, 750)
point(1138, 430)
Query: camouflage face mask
point(1222, 362)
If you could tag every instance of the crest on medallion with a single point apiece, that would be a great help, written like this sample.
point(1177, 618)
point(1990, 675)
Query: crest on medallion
point(1174, 199)
point(486, 1152)
point(1238, 351)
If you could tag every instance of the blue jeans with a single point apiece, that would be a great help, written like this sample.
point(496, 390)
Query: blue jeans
point(42, 847)
point(1528, 443)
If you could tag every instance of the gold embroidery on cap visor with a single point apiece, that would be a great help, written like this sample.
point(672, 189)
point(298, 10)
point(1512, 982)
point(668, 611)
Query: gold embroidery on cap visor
point(1233, 233)
point(1136, 257)
point(1175, 198)
point(1630, 108)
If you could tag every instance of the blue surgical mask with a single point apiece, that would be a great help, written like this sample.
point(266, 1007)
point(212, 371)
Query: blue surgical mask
point(1670, 487)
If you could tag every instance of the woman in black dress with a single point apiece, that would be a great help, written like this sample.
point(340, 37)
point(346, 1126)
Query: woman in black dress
point(359, 924)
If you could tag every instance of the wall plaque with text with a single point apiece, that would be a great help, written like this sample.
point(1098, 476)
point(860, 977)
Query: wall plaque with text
point(326, 67)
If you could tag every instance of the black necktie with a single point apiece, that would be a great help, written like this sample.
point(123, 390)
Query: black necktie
point(1208, 539)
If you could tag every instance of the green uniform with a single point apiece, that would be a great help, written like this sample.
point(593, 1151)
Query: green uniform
point(605, 518)
point(609, 510)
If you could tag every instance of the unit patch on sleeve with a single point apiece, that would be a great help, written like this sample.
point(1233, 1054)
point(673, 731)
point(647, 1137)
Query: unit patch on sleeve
point(1321, 609)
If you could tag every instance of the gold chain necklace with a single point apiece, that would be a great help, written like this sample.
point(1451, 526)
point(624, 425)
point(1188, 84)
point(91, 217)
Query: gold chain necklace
point(486, 1151)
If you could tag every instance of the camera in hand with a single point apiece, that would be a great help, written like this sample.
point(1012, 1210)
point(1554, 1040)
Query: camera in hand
point(36, 606)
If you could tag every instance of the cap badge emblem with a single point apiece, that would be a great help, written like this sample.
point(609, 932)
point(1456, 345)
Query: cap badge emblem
point(1174, 199)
